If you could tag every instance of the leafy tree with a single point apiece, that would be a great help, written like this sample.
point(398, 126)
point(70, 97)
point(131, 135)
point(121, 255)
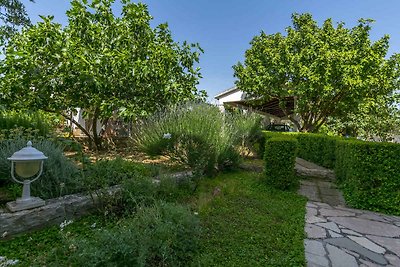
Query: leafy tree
point(12, 16)
point(329, 70)
point(100, 62)
point(376, 119)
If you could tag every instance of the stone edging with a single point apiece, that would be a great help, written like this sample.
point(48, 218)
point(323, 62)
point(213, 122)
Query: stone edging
point(56, 211)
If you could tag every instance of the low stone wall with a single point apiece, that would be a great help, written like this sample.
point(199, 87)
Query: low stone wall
point(54, 212)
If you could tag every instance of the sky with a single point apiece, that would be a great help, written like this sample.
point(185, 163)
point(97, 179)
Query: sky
point(224, 28)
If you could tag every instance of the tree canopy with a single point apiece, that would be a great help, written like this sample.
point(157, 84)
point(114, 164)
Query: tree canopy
point(12, 16)
point(100, 62)
point(376, 119)
point(330, 71)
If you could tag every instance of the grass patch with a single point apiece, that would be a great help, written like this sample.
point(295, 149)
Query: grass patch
point(246, 223)
point(38, 248)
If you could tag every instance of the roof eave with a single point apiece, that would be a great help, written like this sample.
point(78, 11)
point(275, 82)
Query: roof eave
point(226, 92)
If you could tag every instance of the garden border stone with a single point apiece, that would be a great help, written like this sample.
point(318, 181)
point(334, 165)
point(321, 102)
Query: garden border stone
point(54, 212)
point(57, 210)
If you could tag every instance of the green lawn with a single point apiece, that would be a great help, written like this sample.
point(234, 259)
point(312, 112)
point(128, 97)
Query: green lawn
point(41, 247)
point(244, 222)
point(249, 224)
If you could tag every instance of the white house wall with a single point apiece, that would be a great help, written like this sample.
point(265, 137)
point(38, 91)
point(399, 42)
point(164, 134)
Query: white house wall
point(236, 96)
point(78, 116)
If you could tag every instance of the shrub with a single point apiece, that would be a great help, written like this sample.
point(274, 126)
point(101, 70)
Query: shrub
point(135, 180)
point(105, 173)
point(197, 135)
point(317, 148)
point(138, 186)
point(38, 121)
point(171, 189)
point(59, 173)
point(267, 135)
point(280, 157)
point(369, 173)
point(249, 130)
point(161, 235)
point(135, 192)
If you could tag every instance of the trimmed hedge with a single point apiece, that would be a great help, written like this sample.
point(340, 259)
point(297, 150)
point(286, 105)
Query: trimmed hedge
point(369, 173)
point(316, 148)
point(280, 156)
point(267, 135)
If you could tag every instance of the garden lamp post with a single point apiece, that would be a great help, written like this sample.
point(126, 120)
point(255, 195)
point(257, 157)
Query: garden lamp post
point(26, 163)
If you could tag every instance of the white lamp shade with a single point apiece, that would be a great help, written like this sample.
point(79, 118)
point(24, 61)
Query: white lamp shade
point(27, 161)
point(26, 169)
point(28, 153)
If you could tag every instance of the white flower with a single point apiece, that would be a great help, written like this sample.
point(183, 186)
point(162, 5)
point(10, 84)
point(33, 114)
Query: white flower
point(167, 136)
point(72, 247)
point(196, 213)
point(4, 234)
point(6, 262)
point(11, 262)
point(65, 223)
point(93, 225)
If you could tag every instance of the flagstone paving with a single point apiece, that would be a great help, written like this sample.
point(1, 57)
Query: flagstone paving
point(338, 236)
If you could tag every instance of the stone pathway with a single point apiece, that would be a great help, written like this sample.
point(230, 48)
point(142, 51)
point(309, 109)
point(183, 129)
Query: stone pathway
point(319, 185)
point(321, 190)
point(309, 169)
point(341, 237)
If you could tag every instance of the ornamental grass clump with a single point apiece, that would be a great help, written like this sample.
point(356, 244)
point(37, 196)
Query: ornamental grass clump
point(197, 135)
point(249, 129)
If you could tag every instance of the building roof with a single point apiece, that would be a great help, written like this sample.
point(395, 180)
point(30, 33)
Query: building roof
point(229, 91)
point(271, 106)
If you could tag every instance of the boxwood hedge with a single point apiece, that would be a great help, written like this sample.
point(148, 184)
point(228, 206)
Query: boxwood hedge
point(280, 156)
point(316, 148)
point(369, 173)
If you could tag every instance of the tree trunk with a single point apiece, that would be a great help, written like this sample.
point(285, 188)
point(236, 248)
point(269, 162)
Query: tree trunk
point(96, 138)
point(77, 125)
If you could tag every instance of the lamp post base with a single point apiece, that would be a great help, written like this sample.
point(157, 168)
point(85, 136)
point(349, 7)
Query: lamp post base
point(25, 204)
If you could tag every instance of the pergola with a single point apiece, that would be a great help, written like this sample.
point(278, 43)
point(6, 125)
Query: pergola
point(270, 107)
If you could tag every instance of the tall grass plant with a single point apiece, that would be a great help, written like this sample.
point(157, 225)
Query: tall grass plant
point(249, 127)
point(197, 135)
